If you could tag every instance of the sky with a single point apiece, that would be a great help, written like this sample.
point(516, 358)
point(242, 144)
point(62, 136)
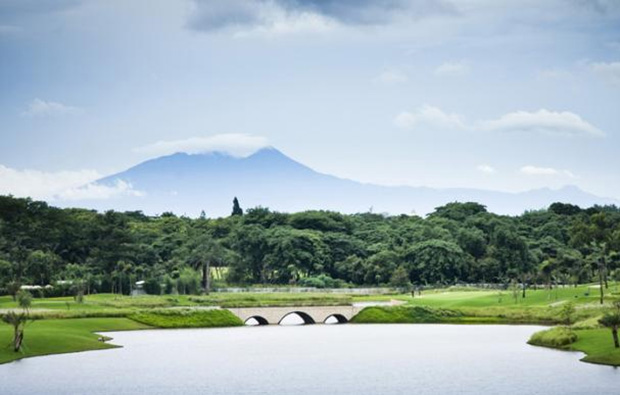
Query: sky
point(505, 95)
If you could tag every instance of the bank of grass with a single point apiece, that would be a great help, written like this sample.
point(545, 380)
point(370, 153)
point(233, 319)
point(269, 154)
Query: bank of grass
point(557, 337)
point(411, 314)
point(187, 318)
point(63, 335)
point(597, 344)
point(406, 315)
point(54, 336)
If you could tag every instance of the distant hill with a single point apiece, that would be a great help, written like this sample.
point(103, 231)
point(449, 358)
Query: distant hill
point(187, 184)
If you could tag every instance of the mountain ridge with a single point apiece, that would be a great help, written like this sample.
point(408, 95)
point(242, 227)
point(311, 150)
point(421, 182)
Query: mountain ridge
point(190, 183)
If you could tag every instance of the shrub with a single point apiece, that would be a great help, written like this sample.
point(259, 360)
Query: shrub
point(152, 286)
point(557, 337)
point(405, 315)
point(187, 318)
point(321, 281)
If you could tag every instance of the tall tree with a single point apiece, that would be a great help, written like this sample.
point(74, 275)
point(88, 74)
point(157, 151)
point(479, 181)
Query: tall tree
point(237, 210)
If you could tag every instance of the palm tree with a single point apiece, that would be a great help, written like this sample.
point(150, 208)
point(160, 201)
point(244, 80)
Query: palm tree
point(18, 320)
point(202, 252)
point(612, 321)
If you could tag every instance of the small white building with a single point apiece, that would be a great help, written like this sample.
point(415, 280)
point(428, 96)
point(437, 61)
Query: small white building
point(138, 288)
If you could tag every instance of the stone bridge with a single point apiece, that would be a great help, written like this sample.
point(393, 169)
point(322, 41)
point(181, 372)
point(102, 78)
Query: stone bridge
point(310, 314)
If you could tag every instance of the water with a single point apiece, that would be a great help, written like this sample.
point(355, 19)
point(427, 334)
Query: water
point(315, 359)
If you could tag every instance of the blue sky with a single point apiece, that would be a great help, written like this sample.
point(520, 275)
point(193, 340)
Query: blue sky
point(506, 95)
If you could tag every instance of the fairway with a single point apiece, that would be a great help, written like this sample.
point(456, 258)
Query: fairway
point(45, 337)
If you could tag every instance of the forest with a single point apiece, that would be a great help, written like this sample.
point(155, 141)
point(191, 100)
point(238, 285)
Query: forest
point(69, 251)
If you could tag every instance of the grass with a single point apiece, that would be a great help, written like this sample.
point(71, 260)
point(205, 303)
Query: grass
point(597, 344)
point(404, 315)
point(44, 337)
point(489, 298)
point(557, 337)
point(187, 318)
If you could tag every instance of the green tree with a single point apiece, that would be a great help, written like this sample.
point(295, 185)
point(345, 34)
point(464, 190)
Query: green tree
point(237, 210)
point(612, 321)
point(18, 320)
point(567, 313)
point(24, 299)
point(400, 279)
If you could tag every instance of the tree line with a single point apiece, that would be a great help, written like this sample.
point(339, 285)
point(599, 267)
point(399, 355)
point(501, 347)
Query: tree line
point(82, 251)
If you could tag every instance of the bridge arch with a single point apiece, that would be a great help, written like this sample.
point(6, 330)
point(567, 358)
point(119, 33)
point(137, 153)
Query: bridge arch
point(259, 320)
point(304, 316)
point(340, 319)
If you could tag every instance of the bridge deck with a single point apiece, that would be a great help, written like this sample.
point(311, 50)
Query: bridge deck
point(310, 314)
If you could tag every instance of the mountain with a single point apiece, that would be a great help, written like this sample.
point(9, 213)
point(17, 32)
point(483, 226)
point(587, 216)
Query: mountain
point(189, 183)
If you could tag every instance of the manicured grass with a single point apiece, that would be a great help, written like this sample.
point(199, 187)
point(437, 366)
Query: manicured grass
point(187, 318)
point(597, 344)
point(490, 298)
point(43, 337)
point(404, 315)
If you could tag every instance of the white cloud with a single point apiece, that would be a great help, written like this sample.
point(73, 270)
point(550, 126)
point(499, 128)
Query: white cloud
point(538, 171)
point(610, 72)
point(542, 122)
point(391, 77)
point(546, 171)
point(271, 15)
point(487, 169)
point(561, 123)
point(93, 191)
point(42, 108)
point(452, 69)
point(280, 23)
point(236, 144)
point(429, 118)
point(62, 185)
point(42, 185)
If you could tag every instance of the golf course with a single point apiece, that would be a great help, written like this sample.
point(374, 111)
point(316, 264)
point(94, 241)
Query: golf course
point(63, 325)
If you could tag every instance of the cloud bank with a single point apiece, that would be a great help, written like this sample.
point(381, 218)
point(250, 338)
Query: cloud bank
point(214, 15)
point(545, 122)
point(235, 144)
point(62, 185)
point(429, 118)
point(530, 170)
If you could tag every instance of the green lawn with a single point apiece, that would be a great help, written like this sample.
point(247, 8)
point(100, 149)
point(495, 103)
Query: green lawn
point(43, 337)
point(598, 345)
point(483, 298)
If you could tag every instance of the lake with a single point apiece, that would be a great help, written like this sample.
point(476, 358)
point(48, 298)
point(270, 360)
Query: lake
point(315, 359)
